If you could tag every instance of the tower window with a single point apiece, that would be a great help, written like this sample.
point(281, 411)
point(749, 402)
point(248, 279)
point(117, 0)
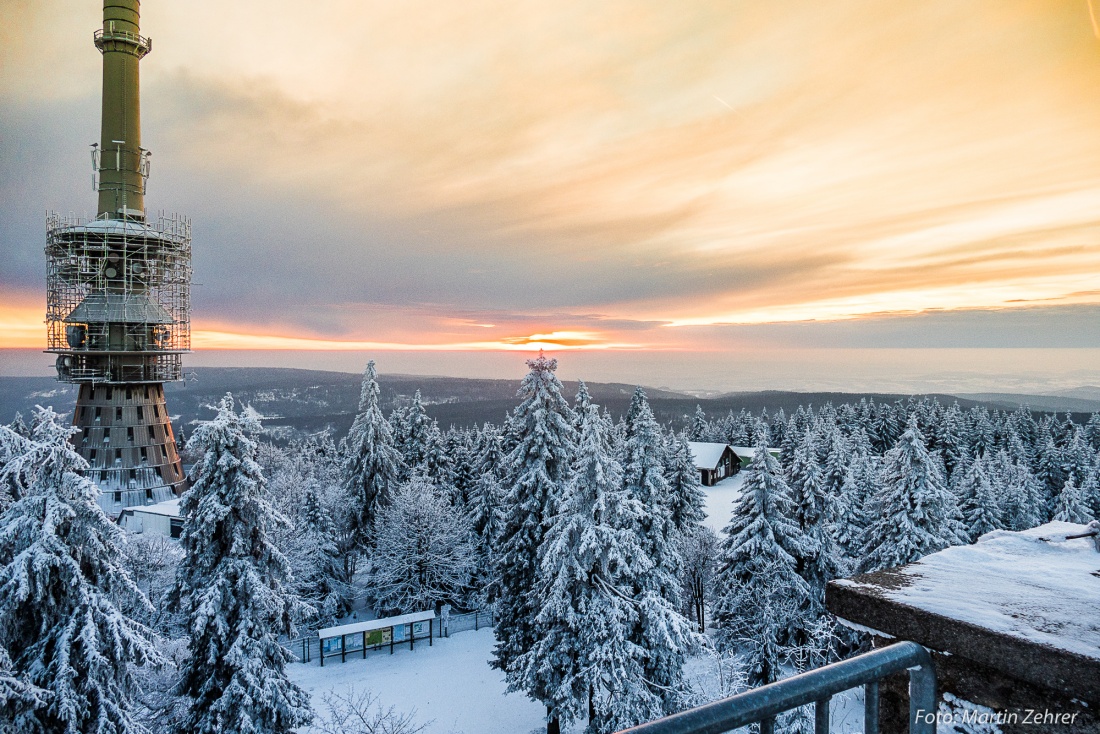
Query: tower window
point(118, 496)
point(91, 455)
point(140, 413)
point(118, 414)
point(103, 476)
point(163, 451)
point(118, 456)
point(156, 410)
point(98, 414)
point(152, 433)
point(110, 393)
point(144, 455)
point(106, 435)
point(130, 434)
point(148, 494)
point(129, 394)
point(146, 392)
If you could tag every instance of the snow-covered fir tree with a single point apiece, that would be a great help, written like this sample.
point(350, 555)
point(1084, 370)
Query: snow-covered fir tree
point(762, 534)
point(536, 471)
point(978, 500)
point(62, 591)
point(1070, 504)
point(665, 637)
point(812, 508)
point(699, 551)
point(315, 562)
point(423, 553)
point(485, 515)
point(913, 513)
point(584, 660)
point(372, 463)
point(411, 432)
point(700, 429)
point(232, 587)
point(685, 492)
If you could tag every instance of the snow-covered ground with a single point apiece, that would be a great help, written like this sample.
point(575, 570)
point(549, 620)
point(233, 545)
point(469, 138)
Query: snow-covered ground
point(720, 497)
point(452, 686)
point(449, 684)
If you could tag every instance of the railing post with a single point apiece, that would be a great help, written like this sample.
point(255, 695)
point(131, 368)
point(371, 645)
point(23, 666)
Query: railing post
point(922, 700)
point(821, 716)
point(870, 708)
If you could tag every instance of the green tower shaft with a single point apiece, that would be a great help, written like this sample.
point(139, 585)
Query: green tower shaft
point(121, 163)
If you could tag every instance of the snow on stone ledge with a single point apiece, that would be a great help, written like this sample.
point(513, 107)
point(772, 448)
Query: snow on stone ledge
point(1034, 585)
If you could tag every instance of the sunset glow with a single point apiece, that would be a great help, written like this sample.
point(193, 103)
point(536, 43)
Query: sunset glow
point(491, 176)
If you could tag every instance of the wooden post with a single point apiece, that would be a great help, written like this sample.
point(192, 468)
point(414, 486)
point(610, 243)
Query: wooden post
point(391, 640)
point(364, 644)
point(430, 631)
point(321, 650)
point(476, 612)
point(412, 636)
point(343, 648)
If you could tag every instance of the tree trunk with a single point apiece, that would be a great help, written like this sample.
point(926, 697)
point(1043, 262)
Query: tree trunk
point(553, 726)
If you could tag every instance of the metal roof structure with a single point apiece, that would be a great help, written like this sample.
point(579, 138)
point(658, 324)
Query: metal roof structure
point(375, 624)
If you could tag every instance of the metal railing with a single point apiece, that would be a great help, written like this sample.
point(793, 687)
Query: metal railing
point(762, 705)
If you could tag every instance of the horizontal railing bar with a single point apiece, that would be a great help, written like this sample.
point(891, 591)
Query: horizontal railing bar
point(775, 698)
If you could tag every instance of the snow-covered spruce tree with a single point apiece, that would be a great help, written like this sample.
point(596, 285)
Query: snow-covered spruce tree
point(821, 558)
point(700, 429)
point(438, 463)
point(62, 589)
point(685, 493)
point(423, 553)
point(411, 435)
point(1070, 505)
point(979, 502)
point(699, 551)
point(536, 472)
point(590, 558)
point(18, 700)
point(233, 588)
point(665, 637)
point(315, 562)
point(372, 464)
point(762, 534)
point(485, 514)
point(913, 513)
point(1078, 457)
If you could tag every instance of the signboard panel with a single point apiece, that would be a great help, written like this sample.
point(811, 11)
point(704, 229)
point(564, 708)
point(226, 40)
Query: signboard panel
point(354, 641)
point(420, 629)
point(332, 645)
point(400, 633)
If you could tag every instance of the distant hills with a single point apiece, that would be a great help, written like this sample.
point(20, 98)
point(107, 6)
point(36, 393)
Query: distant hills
point(294, 400)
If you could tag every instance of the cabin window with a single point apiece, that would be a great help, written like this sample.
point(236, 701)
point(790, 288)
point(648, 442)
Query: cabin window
point(175, 526)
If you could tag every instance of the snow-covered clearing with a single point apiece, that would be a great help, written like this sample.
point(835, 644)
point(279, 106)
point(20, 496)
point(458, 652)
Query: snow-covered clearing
point(449, 684)
point(720, 498)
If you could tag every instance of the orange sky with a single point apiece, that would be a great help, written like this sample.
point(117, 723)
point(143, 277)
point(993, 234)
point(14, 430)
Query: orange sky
point(626, 175)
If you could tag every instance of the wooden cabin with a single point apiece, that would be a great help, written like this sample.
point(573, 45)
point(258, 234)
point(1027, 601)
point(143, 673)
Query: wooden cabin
point(715, 461)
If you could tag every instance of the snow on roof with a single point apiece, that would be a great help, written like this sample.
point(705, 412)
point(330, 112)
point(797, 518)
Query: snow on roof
point(747, 451)
point(375, 624)
point(706, 455)
point(171, 508)
point(1014, 583)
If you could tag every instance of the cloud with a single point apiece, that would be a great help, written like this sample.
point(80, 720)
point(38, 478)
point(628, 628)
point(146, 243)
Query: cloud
point(413, 172)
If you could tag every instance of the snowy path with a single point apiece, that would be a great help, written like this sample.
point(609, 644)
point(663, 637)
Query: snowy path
point(450, 684)
point(720, 497)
